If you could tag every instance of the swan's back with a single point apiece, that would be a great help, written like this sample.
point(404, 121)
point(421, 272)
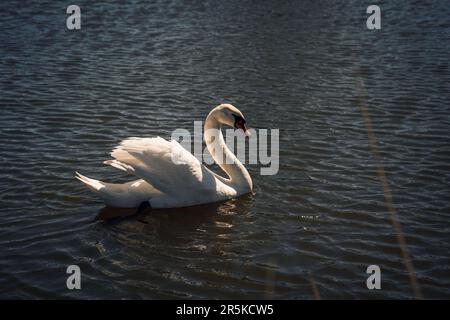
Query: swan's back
point(170, 168)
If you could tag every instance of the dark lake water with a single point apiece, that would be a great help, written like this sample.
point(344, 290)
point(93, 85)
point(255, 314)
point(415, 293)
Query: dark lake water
point(144, 68)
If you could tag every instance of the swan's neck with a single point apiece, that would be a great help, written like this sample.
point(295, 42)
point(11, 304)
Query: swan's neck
point(239, 178)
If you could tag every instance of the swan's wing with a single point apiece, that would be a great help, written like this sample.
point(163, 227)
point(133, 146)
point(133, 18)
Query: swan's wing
point(164, 164)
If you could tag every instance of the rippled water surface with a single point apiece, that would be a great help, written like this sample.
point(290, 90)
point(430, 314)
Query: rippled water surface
point(144, 68)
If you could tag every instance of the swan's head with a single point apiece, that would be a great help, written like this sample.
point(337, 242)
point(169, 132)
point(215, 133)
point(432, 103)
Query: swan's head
point(230, 115)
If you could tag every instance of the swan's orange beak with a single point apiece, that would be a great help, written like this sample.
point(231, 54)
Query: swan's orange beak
point(239, 123)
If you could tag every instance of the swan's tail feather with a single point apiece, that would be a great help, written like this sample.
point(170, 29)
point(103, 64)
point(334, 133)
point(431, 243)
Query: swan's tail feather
point(92, 184)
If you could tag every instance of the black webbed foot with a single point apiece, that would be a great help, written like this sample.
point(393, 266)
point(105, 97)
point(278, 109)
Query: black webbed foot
point(143, 207)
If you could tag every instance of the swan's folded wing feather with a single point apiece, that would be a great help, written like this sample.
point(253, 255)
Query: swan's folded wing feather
point(164, 164)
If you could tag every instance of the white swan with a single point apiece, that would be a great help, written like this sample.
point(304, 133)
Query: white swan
point(170, 176)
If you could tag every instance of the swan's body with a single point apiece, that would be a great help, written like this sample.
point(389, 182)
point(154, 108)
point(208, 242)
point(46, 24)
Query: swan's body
point(171, 177)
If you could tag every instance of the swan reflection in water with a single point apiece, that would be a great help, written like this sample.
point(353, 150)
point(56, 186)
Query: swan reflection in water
point(177, 222)
point(111, 213)
point(181, 245)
